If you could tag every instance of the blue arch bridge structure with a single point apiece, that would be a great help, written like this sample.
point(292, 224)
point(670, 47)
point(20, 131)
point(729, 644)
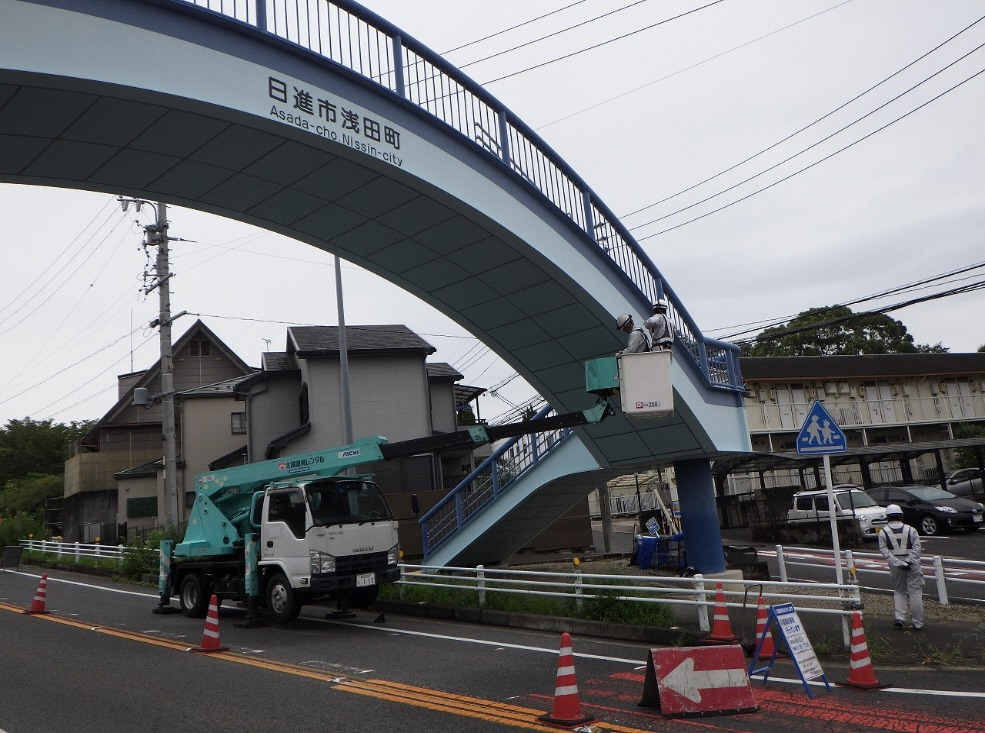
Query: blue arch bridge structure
point(323, 122)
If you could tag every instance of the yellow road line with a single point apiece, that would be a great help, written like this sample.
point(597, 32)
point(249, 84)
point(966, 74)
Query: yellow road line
point(395, 692)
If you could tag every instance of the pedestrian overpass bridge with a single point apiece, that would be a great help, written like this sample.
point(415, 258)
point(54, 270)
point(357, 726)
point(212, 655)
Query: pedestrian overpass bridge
point(323, 122)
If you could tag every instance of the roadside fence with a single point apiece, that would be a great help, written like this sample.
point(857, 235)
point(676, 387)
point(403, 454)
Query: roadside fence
point(696, 593)
point(942, 570)
point(76, 551)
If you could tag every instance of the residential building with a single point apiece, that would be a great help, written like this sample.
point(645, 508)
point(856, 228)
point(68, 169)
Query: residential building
point(125, 444)
point(904, 403)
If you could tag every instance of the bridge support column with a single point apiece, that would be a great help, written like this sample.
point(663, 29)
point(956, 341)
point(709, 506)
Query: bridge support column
point(699, 518)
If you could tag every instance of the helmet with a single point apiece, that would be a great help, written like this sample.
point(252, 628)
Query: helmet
point(622, 321)
point(660, 305)
point(894, 510)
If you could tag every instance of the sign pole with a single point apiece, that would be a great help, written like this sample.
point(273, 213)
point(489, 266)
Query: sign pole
point(832, 518)
point(846, 635)
point(820, 435)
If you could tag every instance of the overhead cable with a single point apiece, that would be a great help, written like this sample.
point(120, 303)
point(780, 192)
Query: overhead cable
point(599, 45)
point(815, 122)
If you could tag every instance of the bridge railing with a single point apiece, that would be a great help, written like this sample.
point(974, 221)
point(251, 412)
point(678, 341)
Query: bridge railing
point(487, 482)
point(357, 39)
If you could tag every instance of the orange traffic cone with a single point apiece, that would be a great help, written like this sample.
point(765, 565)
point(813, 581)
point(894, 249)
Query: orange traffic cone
point(860, 673)
point(40, 596)
point(721, 629)
point(567, 707)
point(768, 647)
point(210, 636)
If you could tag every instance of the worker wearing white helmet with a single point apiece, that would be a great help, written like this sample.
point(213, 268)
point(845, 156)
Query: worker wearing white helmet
point(638, 341)
point(900, 544)
point(661, 331)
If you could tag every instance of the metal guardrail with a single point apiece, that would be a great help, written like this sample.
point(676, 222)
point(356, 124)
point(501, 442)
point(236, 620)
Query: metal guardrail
point(490, 479)
point(347, 34)
point(696, 592)
point(76, 551)
point(942, 570)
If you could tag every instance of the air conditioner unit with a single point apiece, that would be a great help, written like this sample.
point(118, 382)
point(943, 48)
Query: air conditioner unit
point(773, 395)
point(830, 388)
point(943, 387)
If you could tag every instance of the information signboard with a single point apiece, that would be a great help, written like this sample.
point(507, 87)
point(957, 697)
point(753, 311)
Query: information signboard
point(790, 632)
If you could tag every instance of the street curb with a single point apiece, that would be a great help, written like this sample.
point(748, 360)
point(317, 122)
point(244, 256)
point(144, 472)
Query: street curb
point(674, 636)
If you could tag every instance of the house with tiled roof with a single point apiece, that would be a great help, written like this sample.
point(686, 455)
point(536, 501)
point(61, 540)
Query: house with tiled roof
point(125, 444)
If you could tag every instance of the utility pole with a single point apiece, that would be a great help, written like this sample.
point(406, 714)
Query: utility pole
point(156, 235)
point(167, 368)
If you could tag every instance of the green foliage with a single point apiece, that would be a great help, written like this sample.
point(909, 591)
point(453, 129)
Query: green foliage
point(19, 527)
point(28, 494)
point(141, 557)
point(837, 331)
point(605, 605)
point(966, 457)
point(36, 447)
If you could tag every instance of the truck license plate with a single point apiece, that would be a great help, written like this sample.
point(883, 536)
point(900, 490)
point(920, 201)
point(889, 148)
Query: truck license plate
point(365, 579)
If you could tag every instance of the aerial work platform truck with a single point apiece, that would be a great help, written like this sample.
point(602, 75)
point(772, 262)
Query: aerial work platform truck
point(286, 532)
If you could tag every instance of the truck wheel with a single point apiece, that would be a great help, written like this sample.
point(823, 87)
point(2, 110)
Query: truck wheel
point(929, 525)
point(194, 604)
point(282, 601)
point(364, 597)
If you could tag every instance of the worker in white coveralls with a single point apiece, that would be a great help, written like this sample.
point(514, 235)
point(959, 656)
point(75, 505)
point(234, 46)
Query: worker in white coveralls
point(900, 544)
point(638, 340)
point(661, 332)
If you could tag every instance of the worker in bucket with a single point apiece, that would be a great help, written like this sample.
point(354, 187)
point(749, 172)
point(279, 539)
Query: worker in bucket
point(661, 331)
point(900, 544)
point(638, 340)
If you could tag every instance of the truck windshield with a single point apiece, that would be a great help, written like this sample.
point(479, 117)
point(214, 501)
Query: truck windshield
point(346, 502)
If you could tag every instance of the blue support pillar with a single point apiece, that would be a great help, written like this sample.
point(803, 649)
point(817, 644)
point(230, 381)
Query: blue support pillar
point(699, 517)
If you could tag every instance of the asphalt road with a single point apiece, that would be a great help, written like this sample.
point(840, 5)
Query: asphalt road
point(102, 659)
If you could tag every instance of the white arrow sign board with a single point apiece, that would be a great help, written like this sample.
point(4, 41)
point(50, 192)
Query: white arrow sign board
point(701, 680)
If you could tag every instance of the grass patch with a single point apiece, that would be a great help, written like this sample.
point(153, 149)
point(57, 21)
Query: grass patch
point(604, 606)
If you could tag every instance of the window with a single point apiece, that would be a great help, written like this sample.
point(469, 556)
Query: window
point(288, 507)
point(145, 506)
point(200, 348)
point(238, 423)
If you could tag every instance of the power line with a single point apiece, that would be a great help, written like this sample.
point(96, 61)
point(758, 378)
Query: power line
point(808, 167)
point(916, 285)
point(681, 71)
point(552, 35)
point(599, 45)
point(511, 28)
point(980, 285)
point(815, 122)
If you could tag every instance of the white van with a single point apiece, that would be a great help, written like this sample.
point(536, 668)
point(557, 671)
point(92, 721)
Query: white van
point(850, 500)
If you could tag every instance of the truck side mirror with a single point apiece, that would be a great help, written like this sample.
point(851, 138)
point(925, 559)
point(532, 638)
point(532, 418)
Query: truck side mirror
point(415, 505)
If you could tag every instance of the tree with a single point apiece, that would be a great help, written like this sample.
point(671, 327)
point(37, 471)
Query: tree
point(36, 447)
point(28, 494)
point(837, 331)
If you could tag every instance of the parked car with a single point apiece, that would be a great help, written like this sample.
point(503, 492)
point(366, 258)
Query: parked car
point(931, 509)
point(850, 500)
point(965, 482)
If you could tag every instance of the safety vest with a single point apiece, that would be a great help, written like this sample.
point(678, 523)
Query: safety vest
point(898, 541)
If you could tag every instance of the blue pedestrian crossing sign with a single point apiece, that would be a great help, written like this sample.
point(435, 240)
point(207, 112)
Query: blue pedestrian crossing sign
point(820, 434)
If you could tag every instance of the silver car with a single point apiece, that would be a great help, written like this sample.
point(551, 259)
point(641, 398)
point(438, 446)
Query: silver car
point(965, 482)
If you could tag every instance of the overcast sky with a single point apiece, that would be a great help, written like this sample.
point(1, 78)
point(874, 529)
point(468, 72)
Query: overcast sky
point(667, 121)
